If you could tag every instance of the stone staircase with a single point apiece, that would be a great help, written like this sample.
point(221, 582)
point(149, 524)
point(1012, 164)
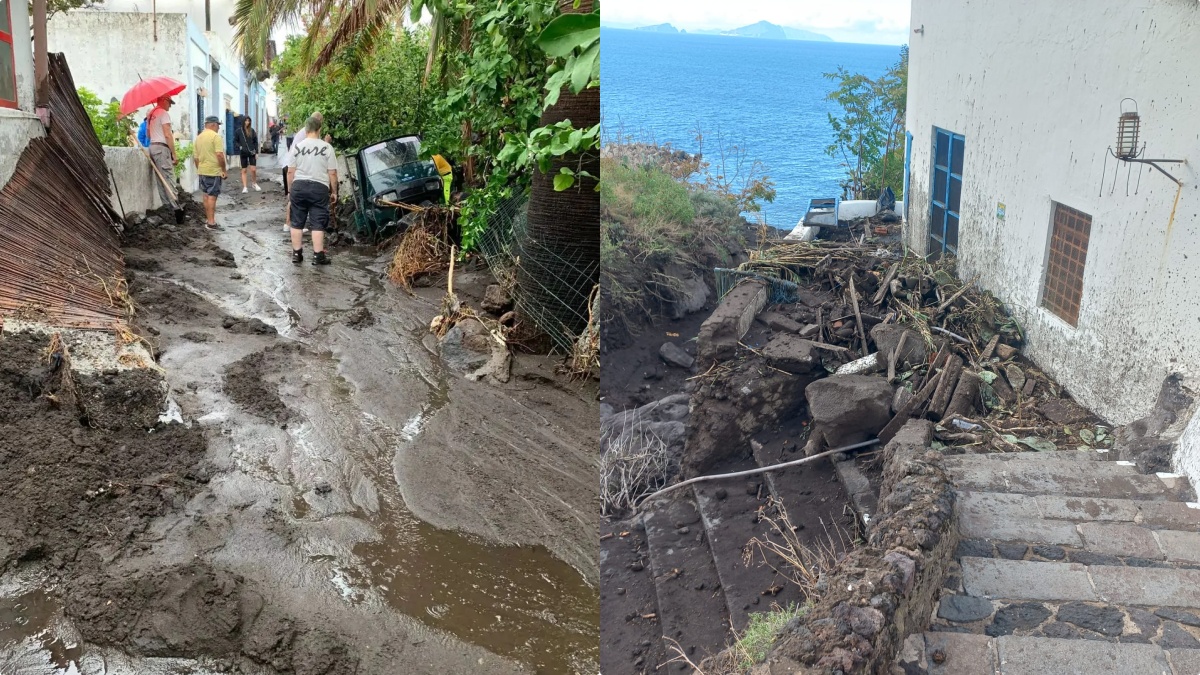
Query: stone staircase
point(691, 543)
point(1066, 564)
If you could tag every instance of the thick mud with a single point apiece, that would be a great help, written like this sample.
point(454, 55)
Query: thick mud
point(364, 511)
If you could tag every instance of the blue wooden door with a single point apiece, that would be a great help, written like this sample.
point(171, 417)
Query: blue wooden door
point(230, 128)
point(947, 191)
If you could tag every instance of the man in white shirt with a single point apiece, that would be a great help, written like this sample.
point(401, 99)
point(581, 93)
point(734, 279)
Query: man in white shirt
point(313, 177)
point(301, 133)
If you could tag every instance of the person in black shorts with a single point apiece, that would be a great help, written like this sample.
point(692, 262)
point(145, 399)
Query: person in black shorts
point(246, 141)
point(314, 190)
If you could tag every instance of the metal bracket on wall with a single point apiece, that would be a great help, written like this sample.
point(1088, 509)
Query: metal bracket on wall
point(1136, 159)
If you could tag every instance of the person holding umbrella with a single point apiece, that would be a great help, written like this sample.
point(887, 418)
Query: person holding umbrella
point(159, 91)
point(162, 145)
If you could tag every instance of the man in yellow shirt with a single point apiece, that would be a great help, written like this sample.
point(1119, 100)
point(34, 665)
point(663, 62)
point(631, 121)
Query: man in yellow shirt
point(209, 156)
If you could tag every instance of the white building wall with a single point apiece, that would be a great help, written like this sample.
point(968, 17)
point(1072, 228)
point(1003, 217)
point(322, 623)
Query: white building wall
point(1035, 87)
point(19, 126)
point(109, 51)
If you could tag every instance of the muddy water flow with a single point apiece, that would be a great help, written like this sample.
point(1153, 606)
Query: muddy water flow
point(519, 602)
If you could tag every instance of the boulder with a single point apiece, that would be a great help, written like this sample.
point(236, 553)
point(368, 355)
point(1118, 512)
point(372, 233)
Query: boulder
point(1150, 442)
point(496, 300)
point(674, 355)
point(690, 297)
point(887, 337)
point(791, 354)
point(848, 409)
point(1063, 411)
point(466, 347)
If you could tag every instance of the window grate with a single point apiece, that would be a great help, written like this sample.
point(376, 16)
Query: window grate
point(1063, 289)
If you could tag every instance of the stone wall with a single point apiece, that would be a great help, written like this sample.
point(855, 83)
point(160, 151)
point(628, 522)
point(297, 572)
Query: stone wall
point(886, 589)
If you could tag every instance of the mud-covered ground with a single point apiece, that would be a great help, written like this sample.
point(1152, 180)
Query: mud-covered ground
point(346, 504)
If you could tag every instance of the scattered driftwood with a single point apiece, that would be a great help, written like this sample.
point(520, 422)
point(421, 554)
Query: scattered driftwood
point(941, 396)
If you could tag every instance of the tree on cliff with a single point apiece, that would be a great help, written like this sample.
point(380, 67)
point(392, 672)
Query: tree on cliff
point(869, 134)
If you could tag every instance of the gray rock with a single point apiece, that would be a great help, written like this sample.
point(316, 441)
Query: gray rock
point(1063, 411)
point(462, 349)
point(1179, 615)
point(849, 408)
point(964, 608)
point(779, 322)
point(1015, 376)
point(1022, 616)
point(1063, 631)
point(496, 300)
point(791, 354)
point(1104, 620)
point(675, 356)
point(1146, 623)
point(690, 297)
point(1050, 552)
point(1090, 558)
point(1175, 636)
point(973, 548)
point(1012, 551)
point(887, 337)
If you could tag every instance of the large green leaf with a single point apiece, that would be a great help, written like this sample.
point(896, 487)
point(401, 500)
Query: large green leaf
point(568, 32)
point(581, 74)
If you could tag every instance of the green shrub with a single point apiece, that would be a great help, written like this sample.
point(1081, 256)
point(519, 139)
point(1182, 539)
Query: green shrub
point(112, 129)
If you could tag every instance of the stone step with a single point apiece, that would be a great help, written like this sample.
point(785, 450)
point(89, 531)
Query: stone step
point(1043, 474)
point(691, 606)
point(1029, 580)
point(1143, 530)
point(626, 595)
point(728, 510)
point(965, 654)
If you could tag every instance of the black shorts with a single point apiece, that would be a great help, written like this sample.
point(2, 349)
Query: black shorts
point(310, 205)
point(249, 159)
point(210, 185)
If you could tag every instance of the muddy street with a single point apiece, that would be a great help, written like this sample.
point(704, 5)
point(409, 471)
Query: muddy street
point(359, 489)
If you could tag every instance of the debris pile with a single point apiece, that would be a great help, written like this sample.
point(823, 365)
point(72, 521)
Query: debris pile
point(950, 349)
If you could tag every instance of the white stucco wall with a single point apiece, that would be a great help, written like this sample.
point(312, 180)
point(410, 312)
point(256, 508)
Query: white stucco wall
point(18, 126)
point(1035, 87)
point(109, 51)
point(136, 185)
point(23, 55)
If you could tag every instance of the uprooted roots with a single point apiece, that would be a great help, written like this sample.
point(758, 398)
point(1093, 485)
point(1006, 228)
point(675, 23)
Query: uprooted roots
point(802, 564)
point(634, 463)
point(585, 355)
point(424, 248)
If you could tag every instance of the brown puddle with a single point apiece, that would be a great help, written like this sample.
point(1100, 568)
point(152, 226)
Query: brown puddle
point(519, 602)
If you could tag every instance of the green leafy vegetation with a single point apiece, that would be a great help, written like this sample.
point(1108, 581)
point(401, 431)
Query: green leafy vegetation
point(473, 84)
point(764, 628)
point(365, 98)
point(868, 136)
point(112, 129)
point(183, 155)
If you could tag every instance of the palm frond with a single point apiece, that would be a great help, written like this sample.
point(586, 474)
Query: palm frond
point(253, 21)
point(362, 18)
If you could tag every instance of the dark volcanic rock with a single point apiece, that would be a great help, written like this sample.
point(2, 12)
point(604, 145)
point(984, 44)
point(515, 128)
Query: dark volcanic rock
point(1104, 620)
point(964, 608)
point(1023, 616)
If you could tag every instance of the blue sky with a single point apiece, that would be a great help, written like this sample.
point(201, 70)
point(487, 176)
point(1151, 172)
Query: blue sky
point(869, 21)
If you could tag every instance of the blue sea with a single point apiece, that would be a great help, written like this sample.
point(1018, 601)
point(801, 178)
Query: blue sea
point(767, 96)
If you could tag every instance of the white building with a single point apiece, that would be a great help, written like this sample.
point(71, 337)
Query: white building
point(109, 50)
point(1012, 110)
point(18, 121)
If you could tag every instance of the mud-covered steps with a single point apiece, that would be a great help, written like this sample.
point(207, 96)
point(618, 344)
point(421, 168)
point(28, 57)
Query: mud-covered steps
point(1067, 566)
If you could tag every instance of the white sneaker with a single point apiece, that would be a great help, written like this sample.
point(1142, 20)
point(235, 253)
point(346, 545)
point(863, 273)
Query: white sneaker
point(256, 188)
point(244, 190)
point(306, 230)
point(287, 228)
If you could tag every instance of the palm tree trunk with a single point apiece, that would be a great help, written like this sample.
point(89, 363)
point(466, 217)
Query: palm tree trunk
point(560, 260)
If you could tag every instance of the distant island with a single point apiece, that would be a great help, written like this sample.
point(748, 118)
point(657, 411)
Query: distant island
point(763, 30)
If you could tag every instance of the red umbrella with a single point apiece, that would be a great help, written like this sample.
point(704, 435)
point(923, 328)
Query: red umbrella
point(149, 91)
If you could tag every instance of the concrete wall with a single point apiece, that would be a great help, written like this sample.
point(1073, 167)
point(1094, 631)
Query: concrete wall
point(22, 55)
point(18, 126)
point(109, 51)
point(1035, 88)
point(136, 184)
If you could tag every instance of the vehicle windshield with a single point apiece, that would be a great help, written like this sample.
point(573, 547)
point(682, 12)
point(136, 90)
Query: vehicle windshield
point(391, 154)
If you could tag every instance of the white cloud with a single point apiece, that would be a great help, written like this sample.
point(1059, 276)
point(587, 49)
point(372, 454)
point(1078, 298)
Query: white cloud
point(848, 20)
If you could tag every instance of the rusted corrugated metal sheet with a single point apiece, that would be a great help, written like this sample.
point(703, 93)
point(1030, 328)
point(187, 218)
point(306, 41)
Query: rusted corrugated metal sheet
point(60, 255)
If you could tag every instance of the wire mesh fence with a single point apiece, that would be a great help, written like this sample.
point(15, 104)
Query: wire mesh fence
point(782, 291)
point(557, 280)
